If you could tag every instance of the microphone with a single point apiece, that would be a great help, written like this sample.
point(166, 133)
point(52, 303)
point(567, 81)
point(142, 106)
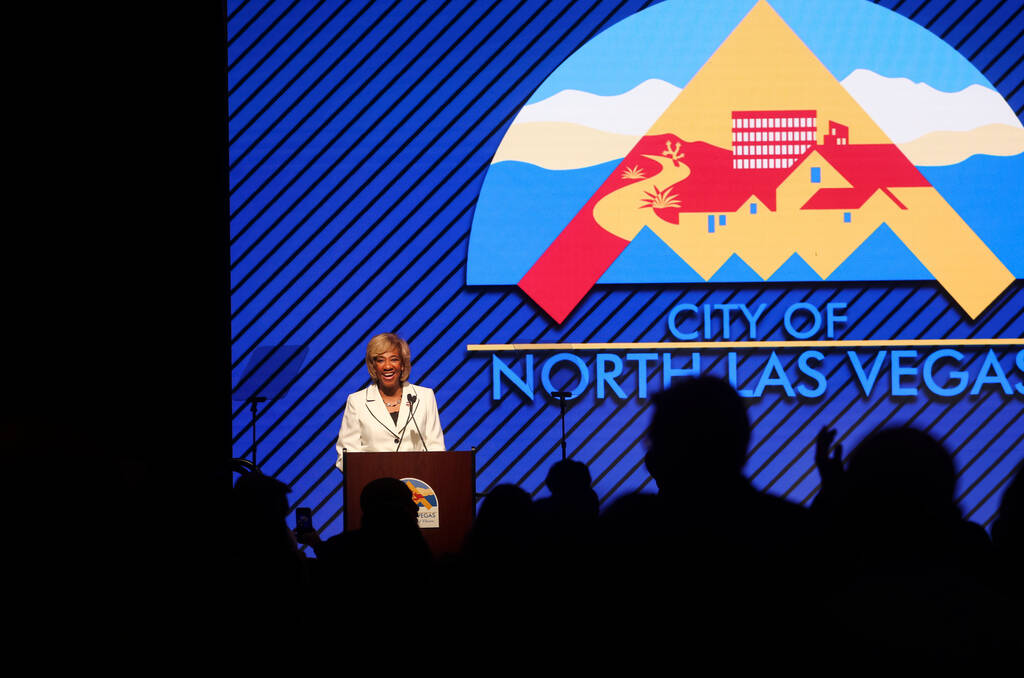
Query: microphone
point(561, 395)
point(412, 401)
point(398, 441)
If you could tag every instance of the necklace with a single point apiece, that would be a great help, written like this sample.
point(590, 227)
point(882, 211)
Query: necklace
point(394, 404)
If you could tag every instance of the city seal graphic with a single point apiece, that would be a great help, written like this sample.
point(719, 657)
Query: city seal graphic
point(745, 142)
point(428, 511)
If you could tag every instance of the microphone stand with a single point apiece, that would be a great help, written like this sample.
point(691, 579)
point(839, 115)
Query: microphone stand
point(561, 397)
point(412, 402)
point(252, 408)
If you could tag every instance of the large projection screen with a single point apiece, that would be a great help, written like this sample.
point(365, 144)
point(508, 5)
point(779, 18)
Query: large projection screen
point(819, 201)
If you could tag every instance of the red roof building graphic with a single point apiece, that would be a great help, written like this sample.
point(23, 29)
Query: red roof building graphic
point(770, 148)
point(838, 135)
point(846, 198)
point(717, 185)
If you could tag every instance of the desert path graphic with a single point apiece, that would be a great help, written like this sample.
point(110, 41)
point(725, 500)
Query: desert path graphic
point(687, 182)
point(617, 211)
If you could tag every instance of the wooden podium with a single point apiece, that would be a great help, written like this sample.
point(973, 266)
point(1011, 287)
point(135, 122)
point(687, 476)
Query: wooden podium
point(452, 476)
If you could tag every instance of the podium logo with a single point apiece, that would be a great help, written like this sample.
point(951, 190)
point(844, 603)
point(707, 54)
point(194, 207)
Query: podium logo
point(741, 142)
point(426, 501)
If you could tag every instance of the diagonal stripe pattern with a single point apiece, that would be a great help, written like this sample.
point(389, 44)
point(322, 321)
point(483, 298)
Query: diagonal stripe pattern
point(360, 134)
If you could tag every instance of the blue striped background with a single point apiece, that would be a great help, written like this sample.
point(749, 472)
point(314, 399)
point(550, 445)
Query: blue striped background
point(360, 133)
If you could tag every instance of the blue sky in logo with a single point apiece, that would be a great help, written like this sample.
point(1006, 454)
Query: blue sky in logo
point(671, 41)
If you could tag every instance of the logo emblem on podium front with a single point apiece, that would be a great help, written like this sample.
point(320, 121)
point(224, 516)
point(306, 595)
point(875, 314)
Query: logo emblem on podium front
point(426, 501)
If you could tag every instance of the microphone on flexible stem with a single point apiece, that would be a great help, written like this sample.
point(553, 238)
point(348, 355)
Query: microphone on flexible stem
point(412, 401)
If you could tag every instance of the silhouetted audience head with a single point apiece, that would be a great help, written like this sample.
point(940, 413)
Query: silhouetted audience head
point(261, 498)
point(387, 503)
point(262, 549)
point(902, 472)
point(570, 514)
point(912, 575)
point(504, 507)
point(700, 428)
point(568, 477)
point(505, 522)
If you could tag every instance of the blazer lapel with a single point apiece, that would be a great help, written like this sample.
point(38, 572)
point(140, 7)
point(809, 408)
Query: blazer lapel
point(375, 402)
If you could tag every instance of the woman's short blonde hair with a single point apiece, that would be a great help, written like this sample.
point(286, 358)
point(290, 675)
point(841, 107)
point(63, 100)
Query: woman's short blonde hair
point(383, 343)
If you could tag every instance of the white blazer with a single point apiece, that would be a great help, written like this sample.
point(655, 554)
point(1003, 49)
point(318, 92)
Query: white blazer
point(367, 426)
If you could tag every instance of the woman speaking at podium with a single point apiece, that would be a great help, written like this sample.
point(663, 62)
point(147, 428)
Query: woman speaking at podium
point(390, 414)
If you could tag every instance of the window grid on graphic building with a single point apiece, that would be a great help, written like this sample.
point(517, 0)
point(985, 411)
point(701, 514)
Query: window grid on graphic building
point(758, 136)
